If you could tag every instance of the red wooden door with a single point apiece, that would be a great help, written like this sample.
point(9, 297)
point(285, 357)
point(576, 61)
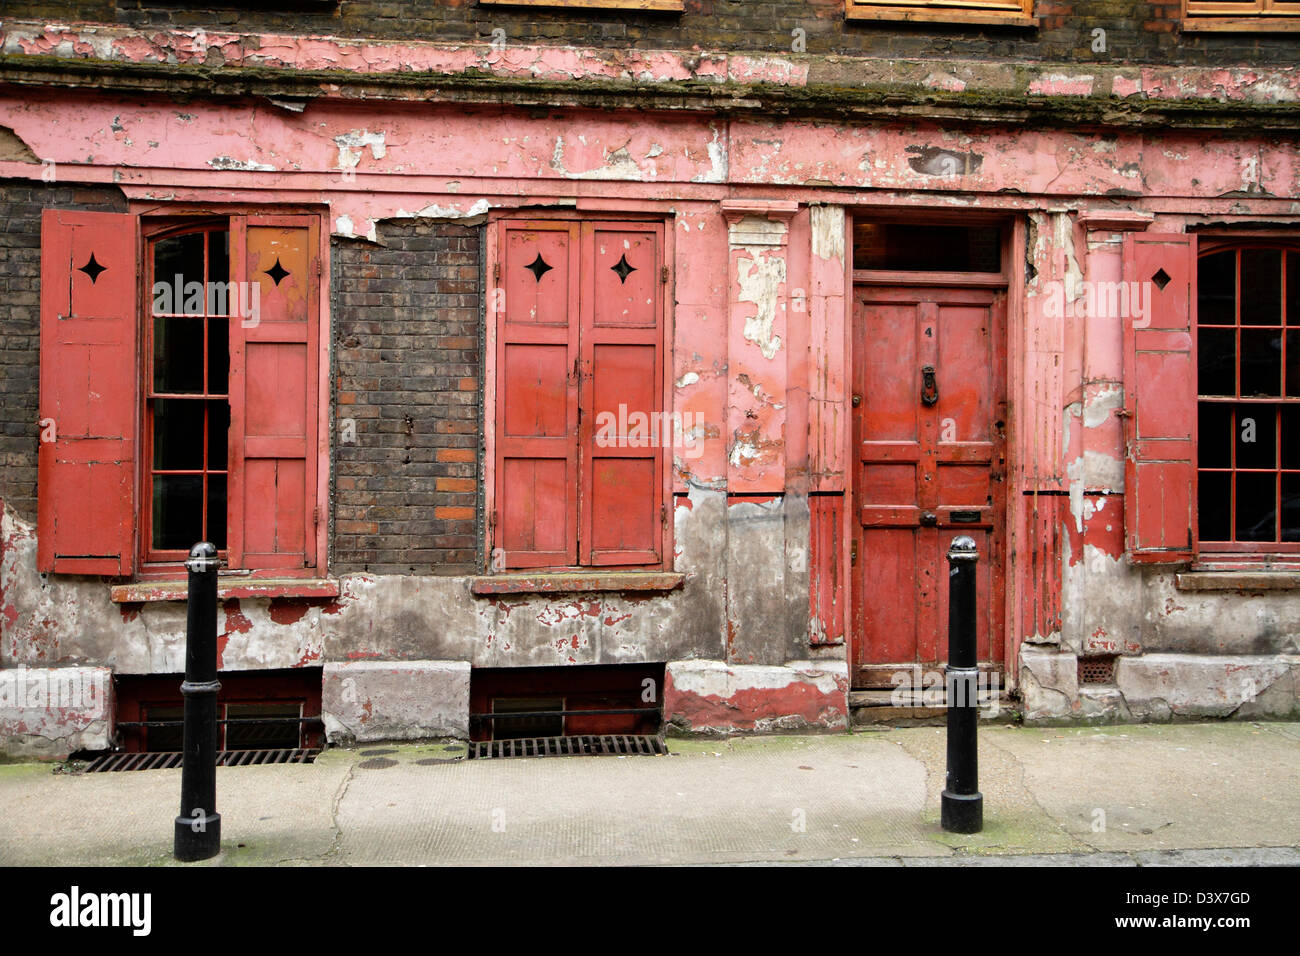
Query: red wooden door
point(928, 425)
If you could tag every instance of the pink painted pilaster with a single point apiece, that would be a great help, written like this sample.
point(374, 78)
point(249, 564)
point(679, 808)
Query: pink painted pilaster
point(758, 309)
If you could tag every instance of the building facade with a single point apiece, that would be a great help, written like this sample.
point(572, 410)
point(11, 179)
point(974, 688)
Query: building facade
point(646, 356)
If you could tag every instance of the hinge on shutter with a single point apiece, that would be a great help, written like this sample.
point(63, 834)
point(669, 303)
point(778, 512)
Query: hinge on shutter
point(663, 514)
point(496, 272)
point(663, 274)
point(853, 553)
point(315, 268)
point(315, 516)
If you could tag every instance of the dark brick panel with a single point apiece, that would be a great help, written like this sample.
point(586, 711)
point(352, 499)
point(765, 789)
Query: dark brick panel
point(21, 202)
point(407, 370)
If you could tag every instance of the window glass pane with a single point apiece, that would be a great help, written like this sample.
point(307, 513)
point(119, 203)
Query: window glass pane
point(218, 434)
point(1256, 436)
point(1216, 289)
point(1261, 287)
point(1293, 362)
point(177, 261)
point(178, 355)
point(177, 511)
point(1291, 507)
point(218, 356)
point(217, 511)
point(219, 256)
point(899, 247)
point(164, 739)
point(1216, 356)
point(263, 736)
point(177, 434)
point(1293, 288)
point(1256, 507)
point(1214, 493)
point(1214, 436)
point(545, 726)
point(1261, 362)
point(1291, 436)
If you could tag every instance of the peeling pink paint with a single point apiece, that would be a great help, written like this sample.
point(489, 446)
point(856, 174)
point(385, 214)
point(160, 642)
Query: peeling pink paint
point(797, 705)
point(1056, 84)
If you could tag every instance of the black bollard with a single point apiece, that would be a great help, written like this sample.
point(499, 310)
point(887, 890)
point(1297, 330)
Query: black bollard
point(198, 828)
point(962, 805)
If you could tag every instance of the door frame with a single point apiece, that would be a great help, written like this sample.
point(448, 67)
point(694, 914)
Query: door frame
point(1013, 250)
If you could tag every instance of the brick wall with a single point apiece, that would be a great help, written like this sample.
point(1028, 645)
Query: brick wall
point(406, 376)
point(21, 203)
point(1137, 30)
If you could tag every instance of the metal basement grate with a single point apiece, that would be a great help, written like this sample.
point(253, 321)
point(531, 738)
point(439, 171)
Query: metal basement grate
point(1097, 670)
point(584, 746)
point(111, 763)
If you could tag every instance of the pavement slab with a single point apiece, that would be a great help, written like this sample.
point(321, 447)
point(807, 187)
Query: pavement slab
point(126, 819)
point(1165, 786)
point(747, 799)
point(1225, 793)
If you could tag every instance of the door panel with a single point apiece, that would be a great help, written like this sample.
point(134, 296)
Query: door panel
point(537, 396)
point(928, 426)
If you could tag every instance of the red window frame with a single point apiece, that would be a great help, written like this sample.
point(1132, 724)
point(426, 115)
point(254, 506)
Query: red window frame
point(96, 376)
point(1208, 549)
point(154, 563)
point(580, 336)
point(148, 553)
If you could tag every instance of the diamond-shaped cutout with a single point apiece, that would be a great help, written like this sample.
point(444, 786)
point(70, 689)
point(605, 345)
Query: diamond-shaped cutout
point(1161, 279)
point(277, 271)
point(92, 269)
point(539, 267)
point(623, 269)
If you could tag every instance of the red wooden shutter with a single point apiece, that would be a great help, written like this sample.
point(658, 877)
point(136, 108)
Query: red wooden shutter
point(624, 432)
point(1160, 398)
point(88, 393)
point(273, 392)
point(537, 395)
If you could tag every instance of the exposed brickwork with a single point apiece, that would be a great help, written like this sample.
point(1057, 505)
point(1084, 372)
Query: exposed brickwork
point(1136, 31)
point(21, 202)
point(406, 374)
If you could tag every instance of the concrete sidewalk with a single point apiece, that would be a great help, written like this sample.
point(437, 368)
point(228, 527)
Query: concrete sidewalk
point(1107, 795)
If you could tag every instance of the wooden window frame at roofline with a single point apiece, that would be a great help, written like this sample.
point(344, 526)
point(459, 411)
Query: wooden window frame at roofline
point(1268, 16)
point(1008, 13)
point(632, 6)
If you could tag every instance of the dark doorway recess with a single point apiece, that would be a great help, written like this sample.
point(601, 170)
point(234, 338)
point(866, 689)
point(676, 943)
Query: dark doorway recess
point(257, 710)
point(510, 703)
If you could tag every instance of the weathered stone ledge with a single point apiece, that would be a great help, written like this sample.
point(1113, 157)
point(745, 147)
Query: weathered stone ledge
point(576, 582)
point(113, 57)
point(144, 592)
point(1238, 581)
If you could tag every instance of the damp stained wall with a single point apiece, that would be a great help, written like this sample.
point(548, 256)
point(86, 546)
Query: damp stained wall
point(757, 206)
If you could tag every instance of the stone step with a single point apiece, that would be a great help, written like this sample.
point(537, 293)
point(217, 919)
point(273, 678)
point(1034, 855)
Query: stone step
point(878, 707)
point(910, 697)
